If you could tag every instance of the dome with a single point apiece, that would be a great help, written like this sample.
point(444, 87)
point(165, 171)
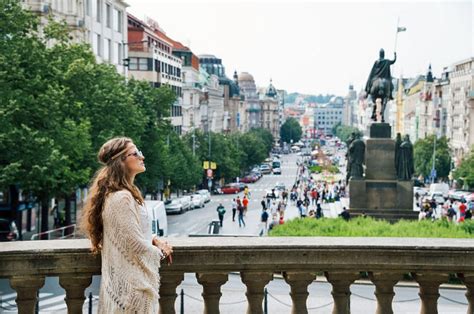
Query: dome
point(245, 76)
point(271, 90)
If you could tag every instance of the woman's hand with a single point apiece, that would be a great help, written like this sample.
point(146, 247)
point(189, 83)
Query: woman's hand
point(164, 246)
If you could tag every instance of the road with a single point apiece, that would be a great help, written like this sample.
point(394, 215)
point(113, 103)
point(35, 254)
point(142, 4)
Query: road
point(197, 220)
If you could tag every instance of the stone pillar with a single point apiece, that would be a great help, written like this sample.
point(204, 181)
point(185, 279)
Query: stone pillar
point(26, 288)
point(168, 283)
point(429, 284)
point(299, 290)
point(384, 282)
point(75, 286)
point(211, 283)
point(468, 280)
point(255, 282)
point(341, 292)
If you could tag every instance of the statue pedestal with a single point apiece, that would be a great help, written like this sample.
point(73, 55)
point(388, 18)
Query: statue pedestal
point(380, 194)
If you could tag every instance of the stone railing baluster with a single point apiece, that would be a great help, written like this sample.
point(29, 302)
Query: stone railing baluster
point(299, 282)
point(26, 288)
point(429, 290)
point(75, 286)
point(468, 280)
point(341, 292)
point(168, 283)
point(211, 283)
point(255, 282)
point(384, 282)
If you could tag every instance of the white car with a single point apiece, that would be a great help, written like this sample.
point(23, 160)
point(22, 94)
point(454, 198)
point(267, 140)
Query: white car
point(276, 170)
point(205, 194)
point(197, 200)
point(186, 201)
point(174, 206)
point(421, 191)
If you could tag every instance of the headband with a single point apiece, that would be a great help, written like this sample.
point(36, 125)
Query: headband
point(119, 153)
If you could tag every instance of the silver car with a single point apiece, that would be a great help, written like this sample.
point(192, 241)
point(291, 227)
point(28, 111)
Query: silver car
point(205, 194)
point(174, 206)
point(197, 200)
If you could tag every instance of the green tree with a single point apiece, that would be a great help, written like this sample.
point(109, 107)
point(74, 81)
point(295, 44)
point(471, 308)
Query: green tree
point(253, 150)
point(266, 136)
point(343, 132)
point(291, 130)
point(464, 174)
point(423, 155)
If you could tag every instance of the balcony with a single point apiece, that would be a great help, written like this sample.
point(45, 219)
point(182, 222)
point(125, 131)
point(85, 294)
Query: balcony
point(430, 261)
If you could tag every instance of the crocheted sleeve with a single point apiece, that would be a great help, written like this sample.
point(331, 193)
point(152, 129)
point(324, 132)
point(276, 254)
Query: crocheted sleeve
point(124, 216)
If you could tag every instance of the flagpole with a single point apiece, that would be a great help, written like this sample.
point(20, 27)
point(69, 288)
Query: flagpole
point(396, 35)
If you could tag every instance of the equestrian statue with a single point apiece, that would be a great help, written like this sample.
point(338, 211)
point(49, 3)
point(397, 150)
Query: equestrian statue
point(379, 85)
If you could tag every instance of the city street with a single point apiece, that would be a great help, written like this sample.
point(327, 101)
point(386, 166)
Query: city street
point(197, 221)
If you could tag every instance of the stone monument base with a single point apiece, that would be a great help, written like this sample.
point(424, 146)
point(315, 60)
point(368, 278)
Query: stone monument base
point(390, 215)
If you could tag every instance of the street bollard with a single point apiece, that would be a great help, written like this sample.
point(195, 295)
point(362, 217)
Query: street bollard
point(265, 301)
point(182, 301)
point(90, 302)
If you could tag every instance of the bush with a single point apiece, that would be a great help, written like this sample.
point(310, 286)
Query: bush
point(368, 227)
point(315, 169)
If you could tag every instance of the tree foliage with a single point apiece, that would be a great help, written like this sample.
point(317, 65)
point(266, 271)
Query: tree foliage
point(343, 132)
point(423, 155)
point(291, 130)
point(464, 174)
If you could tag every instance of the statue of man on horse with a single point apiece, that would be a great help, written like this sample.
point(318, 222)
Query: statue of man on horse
point(379, 84)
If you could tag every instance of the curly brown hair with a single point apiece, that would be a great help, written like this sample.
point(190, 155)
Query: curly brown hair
point(111, 177)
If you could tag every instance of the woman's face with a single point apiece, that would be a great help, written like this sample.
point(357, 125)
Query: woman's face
point(134, 160)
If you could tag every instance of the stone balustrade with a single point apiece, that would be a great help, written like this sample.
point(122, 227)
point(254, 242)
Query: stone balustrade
point(298, 259)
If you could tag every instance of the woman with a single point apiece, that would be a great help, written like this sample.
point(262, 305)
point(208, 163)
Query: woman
point(118, 226)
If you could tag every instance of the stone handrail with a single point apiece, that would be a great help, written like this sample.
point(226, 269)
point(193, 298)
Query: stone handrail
point(26, 264)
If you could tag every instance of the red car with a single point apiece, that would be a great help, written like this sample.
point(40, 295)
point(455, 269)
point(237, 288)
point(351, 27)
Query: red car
point(249, 179)
point(230, 189)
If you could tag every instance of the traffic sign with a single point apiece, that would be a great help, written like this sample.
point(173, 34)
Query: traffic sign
point(209, 173)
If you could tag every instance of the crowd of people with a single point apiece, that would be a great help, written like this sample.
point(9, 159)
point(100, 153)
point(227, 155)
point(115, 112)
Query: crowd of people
point(453, 210)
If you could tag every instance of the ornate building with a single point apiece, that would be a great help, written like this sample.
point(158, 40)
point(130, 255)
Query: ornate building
point(270, 114)
point(253, 111)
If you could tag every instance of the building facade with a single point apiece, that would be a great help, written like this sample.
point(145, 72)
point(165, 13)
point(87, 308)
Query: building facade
point(253, 110)
point(328, 115)
point(150, 58)
point(270, 114)
point(100, 23)
point(460, 111)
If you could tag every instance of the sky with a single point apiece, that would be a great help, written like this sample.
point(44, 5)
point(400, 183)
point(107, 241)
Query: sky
point(318, 47)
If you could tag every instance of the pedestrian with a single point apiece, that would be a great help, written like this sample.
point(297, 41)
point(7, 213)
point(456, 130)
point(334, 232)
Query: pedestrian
point(240, 209)
point(220, 213)
point(264, 222)
point(345, 214)
point(264, 203)
point(246, 192)
point(234, 209)
point(245, 203)
point(117, 223)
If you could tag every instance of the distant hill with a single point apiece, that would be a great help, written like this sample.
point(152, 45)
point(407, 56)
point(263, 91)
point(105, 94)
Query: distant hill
point(297, 97)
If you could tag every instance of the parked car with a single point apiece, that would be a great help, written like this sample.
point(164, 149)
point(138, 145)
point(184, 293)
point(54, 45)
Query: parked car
point(250, 178)
point(441, 188)
point(230, 189)
point(276, 170)
point(8, 230)
point(197, 201)
point(174, 206)
point(186, 201)
point(159, 221)
point(205, 194)
point(421, 191)
point(216, 189)
point(265, 169)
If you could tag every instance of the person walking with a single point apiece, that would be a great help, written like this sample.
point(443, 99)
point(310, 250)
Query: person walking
point(264, 203)
point(220, 213)
point(264, 222)
point(245, 204)
point(234, 209)
point(240, 209)
point(118, 225)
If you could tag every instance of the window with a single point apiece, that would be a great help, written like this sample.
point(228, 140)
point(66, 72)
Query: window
point(108, 49)
point(118, 16)
point(118, 54)
point(88, 7)
point(143, 64)
point(98, 16)
point(99, 45)
point(108, 15)
point(133, 64)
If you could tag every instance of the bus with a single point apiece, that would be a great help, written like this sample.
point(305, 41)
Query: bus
point(276, 166)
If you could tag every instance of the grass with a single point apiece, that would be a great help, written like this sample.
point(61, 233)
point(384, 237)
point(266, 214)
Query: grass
point(368, 227)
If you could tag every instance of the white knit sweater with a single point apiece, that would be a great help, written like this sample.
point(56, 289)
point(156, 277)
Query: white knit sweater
point(130, 262)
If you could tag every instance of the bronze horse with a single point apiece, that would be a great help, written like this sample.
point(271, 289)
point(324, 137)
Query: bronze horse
point(380, 89)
